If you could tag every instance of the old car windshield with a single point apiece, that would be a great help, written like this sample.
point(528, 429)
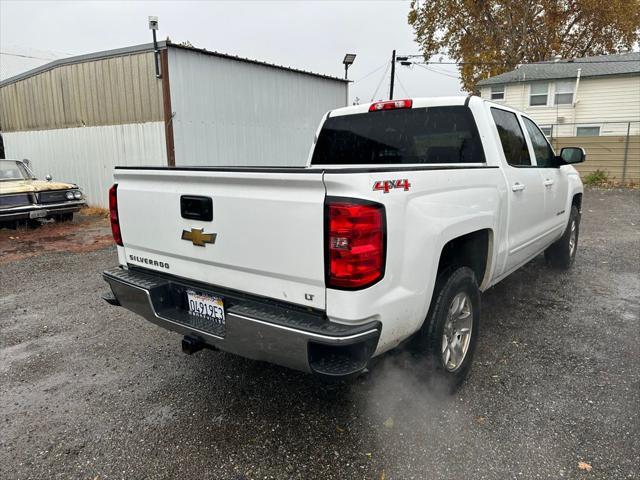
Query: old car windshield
point(12, 170)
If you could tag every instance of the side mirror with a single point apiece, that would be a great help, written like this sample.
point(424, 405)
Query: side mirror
point(27, 162)
point(48, 177)
point(571, 155)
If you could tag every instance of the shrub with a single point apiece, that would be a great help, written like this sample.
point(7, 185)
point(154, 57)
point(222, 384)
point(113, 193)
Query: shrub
point(597, 177)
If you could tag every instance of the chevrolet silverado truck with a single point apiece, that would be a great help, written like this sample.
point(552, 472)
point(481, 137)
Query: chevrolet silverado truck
point(405, 212)
point(25, 198)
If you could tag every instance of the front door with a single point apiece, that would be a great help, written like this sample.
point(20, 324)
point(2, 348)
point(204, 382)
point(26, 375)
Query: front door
point(526, 218)
point(552, 178)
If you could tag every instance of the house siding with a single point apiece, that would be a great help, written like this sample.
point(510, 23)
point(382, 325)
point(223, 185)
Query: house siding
point(608, 102)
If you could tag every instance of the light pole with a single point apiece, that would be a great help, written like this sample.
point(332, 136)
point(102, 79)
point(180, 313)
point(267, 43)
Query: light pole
point(348, 61)
point(153, 26)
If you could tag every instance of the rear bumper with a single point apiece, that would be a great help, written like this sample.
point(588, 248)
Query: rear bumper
point(255, 328)
point(45, 210)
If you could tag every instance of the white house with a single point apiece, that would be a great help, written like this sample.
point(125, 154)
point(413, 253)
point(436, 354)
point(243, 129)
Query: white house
point(588, 96)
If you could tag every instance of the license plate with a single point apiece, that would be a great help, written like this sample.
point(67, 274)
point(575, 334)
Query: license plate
point(206, 307)
point(38, 213)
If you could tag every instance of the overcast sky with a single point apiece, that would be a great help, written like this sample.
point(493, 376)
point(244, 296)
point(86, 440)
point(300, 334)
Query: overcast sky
point(304, 34)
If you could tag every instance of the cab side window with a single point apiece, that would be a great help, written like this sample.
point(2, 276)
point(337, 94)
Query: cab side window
point(512, 139)
point(542, 150)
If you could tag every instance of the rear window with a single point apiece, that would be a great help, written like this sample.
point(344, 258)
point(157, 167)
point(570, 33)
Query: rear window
point(416, 135)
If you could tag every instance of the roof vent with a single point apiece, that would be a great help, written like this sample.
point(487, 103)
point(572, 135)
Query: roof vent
point(557, 58)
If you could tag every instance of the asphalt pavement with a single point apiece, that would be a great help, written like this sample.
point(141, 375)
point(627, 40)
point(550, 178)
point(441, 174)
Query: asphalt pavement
point(91, 391)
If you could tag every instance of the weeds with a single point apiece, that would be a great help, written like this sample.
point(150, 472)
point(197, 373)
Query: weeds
point(95, 212)
point(597, 178)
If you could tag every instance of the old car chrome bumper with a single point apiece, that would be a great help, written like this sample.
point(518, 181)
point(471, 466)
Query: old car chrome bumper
point(24, 211)
point(255, 328)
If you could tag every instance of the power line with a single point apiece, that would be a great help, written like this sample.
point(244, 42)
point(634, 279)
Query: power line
point(437, 71)
point(371, 72)
point(25, 56)
point(384, 75)
point(549, 62)
point(401, 85)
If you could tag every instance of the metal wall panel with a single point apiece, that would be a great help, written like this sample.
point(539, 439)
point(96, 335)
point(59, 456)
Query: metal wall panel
point(109, 91)
point(230, 112)
point(86, 156)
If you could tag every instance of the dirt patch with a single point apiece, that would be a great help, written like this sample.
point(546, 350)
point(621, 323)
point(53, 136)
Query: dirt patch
point(85, 233)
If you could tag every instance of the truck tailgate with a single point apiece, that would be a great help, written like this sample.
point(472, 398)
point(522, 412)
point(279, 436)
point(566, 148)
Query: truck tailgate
point(268, 229)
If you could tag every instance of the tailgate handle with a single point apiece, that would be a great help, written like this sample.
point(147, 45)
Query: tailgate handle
point(195, 207)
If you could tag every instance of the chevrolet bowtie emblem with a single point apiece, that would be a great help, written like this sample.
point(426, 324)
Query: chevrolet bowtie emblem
point(198, 237)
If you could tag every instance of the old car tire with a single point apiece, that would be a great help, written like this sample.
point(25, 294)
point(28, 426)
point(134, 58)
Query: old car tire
point(562, 253)
point(450, 332)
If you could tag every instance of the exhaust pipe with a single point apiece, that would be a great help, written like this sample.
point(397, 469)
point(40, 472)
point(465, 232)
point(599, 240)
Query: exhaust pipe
point(191, 345)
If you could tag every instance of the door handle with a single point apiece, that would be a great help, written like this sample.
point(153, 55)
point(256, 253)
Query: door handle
point(517, 187)
point(548, 182)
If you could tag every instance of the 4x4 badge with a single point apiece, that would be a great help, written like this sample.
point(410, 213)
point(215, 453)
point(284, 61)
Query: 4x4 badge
point(198, 237)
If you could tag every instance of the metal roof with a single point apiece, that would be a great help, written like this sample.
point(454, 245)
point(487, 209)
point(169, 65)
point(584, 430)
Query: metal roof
point(149, 47)
point(597, 66)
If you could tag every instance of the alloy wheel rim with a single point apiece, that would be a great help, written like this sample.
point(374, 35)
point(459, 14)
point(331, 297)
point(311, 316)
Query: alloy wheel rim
point(572, 238)
point(457, 332)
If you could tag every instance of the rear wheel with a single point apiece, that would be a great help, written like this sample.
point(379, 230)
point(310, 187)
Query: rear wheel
point(562, 253)
point(450, 332)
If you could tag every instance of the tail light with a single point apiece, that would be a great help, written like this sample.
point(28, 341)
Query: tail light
point(390, 105)
point(355, 243)
point(113, 214)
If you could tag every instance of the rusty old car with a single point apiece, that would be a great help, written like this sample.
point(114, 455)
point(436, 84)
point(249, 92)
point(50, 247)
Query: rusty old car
point(24, 198)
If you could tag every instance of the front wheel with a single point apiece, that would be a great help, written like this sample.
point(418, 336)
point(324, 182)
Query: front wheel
point(450, 332)
point(562, 253)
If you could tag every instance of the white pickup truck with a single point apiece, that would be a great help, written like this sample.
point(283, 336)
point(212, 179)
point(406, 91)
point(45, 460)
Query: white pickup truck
point(405, 212)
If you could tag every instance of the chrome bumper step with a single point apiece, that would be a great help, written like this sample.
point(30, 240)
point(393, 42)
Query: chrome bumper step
point(257, 328)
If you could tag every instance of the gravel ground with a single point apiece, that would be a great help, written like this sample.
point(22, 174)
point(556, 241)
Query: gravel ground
point(91, 391)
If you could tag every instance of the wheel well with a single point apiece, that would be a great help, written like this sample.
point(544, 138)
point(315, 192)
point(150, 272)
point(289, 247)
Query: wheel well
point(470, 250)
point(577, 201)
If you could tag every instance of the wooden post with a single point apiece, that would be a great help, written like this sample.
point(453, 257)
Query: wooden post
point(626, 152)
point(166, 103)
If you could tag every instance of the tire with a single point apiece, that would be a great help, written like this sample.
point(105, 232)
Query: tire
point(438, 340)
point(562, 253)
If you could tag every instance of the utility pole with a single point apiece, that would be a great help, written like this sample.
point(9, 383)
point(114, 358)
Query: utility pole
point(393, 74)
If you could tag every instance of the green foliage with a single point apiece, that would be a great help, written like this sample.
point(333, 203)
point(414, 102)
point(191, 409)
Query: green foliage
point(494, 36)
point(597, 177)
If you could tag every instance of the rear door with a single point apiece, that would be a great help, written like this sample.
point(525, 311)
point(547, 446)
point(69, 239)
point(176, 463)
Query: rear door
point(555, 185)
point(265, 235)
point(526, 228)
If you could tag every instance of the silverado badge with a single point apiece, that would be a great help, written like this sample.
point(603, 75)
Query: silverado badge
point(198, 237)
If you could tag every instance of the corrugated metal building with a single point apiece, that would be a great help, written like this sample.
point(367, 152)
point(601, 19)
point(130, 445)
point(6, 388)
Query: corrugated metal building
point(76, 118)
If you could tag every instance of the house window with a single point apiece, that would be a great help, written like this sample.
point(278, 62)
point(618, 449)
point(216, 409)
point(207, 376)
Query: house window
point(538, 93)
point(497, 92)
point(588, 131)
point(564, 92)
point(547, 131)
